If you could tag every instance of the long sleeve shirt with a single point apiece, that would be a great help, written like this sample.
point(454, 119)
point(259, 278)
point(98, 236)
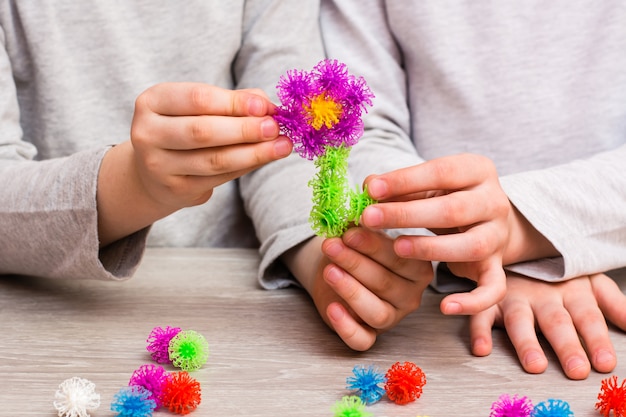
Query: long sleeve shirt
point(69, 75)
point(538, 87)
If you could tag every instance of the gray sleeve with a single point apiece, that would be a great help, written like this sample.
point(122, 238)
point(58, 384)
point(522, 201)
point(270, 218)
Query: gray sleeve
point(49, 222)
point(580, 207)
point(276, 196)
point(48, 219)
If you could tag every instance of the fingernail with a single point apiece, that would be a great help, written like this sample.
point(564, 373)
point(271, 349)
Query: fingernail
point(480, 347)
point(377, 188)
point(332, 249)
point(354, 239)
point(574, 363)
point(269, 128)
point(282, 147)
point(256, 106)
point(604, 356)
point(333, 275)
point(335, 313)
point(403, 247)
point(372, 216)
point(452, 308)
point(532, 357)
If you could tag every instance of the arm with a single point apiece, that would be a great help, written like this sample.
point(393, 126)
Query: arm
point(44, 202)
point(68, 223)
point(281, 222)
point(580, 207)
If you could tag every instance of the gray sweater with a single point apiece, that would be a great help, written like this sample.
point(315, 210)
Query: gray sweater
point(69, 74)
point(539, 87)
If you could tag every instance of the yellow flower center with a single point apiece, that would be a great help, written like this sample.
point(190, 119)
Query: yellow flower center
point(324, 112)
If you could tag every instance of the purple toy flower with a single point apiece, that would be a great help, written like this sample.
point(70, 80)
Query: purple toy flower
point(153, 378)
point(507, 406)
point(159, 341)
point(322, 107)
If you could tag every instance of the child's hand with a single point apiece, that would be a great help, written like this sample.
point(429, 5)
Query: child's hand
point(566, 313)
point(460, 199)
point(186, 139)
point(190, 138)
point(367, 289)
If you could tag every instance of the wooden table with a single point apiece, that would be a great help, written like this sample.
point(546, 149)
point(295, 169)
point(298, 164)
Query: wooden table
point(270, 353)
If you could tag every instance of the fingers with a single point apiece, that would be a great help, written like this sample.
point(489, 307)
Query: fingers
point(379, 286)
point(457, 209)
point(379, 248)
point(188, 99)
point(354, 334)
point(591, 326)
point(491, 289)
point(447, 173)
point(194, 132)
point(480, 326)
point(475, 244)
point(611, 300)
point(233, 160)
point(370, 308)
point(519, 322)
point(557, 326)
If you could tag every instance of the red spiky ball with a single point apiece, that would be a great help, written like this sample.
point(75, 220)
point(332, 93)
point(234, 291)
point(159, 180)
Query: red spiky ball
point(181, 393)
point(404, 382)
point(612, 397)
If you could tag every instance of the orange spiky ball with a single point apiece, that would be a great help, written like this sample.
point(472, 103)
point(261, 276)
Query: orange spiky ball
point(612, 397)
point(404, 382)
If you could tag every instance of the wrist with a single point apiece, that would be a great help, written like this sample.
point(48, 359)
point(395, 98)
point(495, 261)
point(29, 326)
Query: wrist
point(304, 261)
point(526, 243)
point(123, 206)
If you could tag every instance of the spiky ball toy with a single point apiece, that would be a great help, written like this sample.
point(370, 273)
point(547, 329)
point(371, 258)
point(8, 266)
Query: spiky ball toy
point(515, 406)
point(133, 401)
point(188, 350)
point(152, 378)
point(321, 113)
point(552, 408)
point(159, 341)
point(405, 382)
point(181, 393)
point(350, 406)
point(76, 397)
point(367, 382)
point(612, 397)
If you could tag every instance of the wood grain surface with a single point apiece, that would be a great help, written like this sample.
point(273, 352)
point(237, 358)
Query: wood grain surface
point(270, 353)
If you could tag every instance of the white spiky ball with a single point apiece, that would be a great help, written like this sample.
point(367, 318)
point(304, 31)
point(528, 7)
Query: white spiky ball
point(76, 397)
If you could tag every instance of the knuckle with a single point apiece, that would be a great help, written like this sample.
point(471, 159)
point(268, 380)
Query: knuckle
point(480, 248)
point(560, 318)
point(513, 316)
point(199, 130)
point(450, 212)
point(199, 97)
point(217, 162)
point(143, 100)
point(249, 130)
point(383, 319)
